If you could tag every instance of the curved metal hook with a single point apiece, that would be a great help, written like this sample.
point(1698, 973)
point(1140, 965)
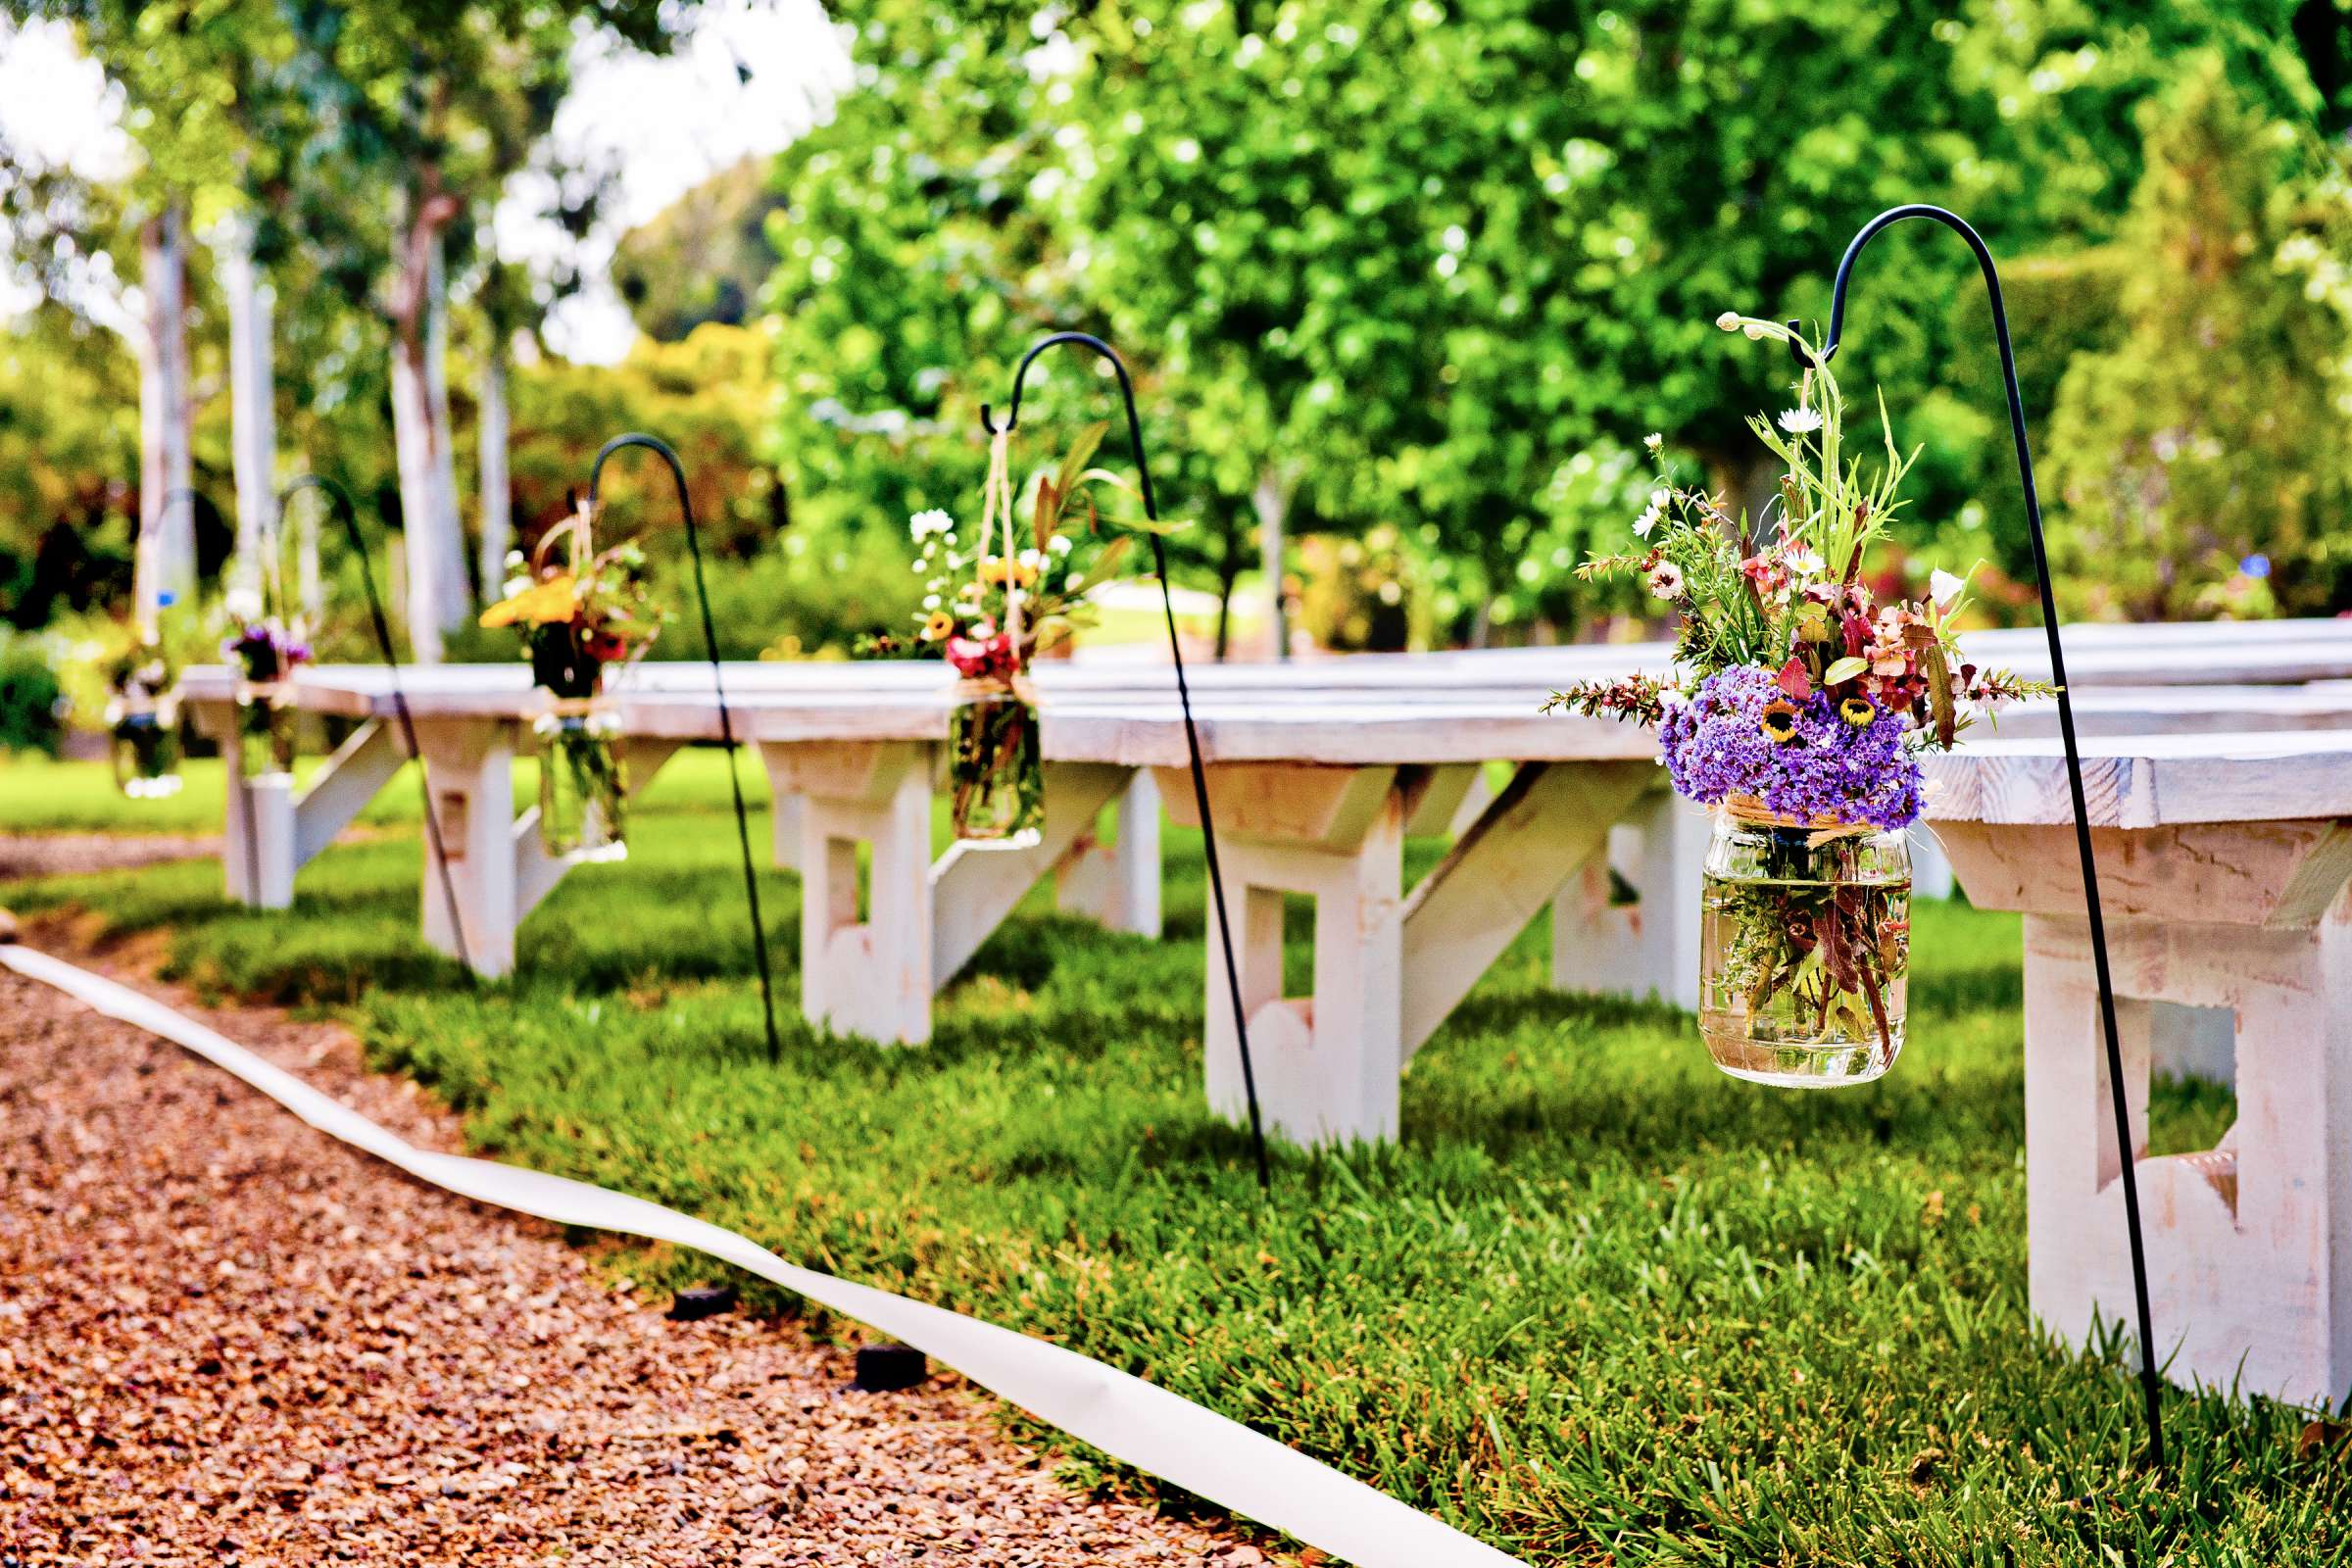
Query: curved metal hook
point(1184, 699)
point(345, 508)
point(2151, 1382)
point(718, 689)
point(1135, 429)
point(1853, 251)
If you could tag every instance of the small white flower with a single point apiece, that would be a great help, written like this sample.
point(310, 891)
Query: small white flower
point(930, 601)
point(1653, 440)
point(1800, 422)
point(926, 523)
point(1060, 545)
point(1073, 583)
point(1805, 561)
point(1032, 559)
point(1648, 520)
point(1666, 580)
point(1943, 587)
point(244, 603)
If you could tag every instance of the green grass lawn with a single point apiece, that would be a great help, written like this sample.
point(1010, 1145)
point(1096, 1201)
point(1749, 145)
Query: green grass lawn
point(1600, 1304)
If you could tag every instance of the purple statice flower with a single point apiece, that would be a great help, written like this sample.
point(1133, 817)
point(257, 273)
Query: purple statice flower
point(266, 651)
point(1716, 746)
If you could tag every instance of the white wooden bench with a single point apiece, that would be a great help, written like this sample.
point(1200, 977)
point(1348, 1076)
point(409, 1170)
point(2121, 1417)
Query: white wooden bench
point(2224, 863)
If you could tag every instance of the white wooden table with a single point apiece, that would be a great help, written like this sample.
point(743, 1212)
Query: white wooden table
point(2224, 863)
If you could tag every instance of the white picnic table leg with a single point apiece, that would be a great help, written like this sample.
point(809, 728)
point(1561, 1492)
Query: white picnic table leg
point(869, 977)
point(1649, 947)
point(1118, 884)
point(2249, 1244)
point(258, 854)
point(469, 778)
point(1326, 1067)
point(784, 821)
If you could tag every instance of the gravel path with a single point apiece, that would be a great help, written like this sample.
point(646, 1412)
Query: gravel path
point(69, 854)
point(227, 1339)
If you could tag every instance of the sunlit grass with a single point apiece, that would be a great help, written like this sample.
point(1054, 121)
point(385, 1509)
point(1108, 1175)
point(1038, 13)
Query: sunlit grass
point(1600, 1304)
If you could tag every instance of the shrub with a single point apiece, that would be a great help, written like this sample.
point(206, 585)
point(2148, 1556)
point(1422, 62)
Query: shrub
point(31, 699)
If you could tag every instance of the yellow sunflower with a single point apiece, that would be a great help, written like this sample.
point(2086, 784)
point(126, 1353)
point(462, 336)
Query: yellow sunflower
point(1858, 711)
point(552, 603)
point(938, 626)
point(998, 568)
point(1778, 721)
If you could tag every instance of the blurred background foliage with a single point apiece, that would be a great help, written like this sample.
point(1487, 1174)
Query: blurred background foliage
point(1404, 284)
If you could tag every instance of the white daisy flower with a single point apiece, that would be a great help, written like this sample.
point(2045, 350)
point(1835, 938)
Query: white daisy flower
point(1653, 440)
point(1943, 587)
point(926, 523)
point(1060, 545)
point(1648, 520)
point(1800, 422)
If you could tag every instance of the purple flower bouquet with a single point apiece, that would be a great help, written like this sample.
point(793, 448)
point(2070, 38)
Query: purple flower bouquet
point(1799, 708)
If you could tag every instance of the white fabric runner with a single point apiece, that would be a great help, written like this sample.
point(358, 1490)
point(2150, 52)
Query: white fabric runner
point(1147, 1427)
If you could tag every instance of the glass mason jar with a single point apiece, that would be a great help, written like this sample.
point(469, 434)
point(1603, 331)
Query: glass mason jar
point(267, 723)
point(583, 784)
point(1804, 950)
point(146, 752)
point(996, 767)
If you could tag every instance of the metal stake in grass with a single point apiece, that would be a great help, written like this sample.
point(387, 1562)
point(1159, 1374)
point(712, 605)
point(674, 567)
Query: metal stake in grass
point(348, 514)
point(1183, 697)
point(2151, 1382)
point(718, 688)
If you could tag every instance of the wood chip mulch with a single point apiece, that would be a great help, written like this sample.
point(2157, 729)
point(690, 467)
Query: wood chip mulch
point(227, 1340)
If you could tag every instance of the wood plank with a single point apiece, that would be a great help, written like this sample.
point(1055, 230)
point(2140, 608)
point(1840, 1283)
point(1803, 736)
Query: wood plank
point(338, 792)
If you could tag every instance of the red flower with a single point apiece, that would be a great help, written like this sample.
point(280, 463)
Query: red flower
point(982, 659)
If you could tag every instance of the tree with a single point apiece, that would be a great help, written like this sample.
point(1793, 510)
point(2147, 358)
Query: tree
point(2201, 463)
point(704, 257)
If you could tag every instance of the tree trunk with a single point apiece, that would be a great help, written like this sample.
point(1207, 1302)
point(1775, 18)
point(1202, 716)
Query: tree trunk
point(166, 566)
point(497, 502)
point(1272, 499)
point(436, 388)
point(253, 413)
point(436, 596)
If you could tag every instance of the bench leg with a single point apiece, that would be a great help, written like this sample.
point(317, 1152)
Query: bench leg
point(1649, 947)
point(784, 816)
point(872, 976)
point(1118, 884)
point(257, 846)
point(1327, 1067)
point(2249, 1244)
point(470, 775)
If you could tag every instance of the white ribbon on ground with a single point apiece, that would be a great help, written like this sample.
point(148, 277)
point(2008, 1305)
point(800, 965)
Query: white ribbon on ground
point(1147, 1427)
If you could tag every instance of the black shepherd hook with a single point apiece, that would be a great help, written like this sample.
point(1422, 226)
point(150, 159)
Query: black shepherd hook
point(2151, 1384)
point(1184, 696)
point(340, 499)
point(727, 723)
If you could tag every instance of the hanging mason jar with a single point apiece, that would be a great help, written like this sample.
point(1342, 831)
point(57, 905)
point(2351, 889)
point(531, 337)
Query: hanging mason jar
point(267, 722)
point(582, 782)
point(146, 748)
point(995, 767)
point(1804, 948)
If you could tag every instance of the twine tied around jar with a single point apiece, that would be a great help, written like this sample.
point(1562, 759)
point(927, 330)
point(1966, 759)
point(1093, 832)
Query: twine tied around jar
point(1824, 829)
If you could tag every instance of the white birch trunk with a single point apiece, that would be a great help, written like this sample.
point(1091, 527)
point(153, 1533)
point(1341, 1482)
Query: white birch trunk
point(458, 594)
point(165, 565)
point(497, 519)
point(252, 410)
point(436, 596)
point(1272, 500)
